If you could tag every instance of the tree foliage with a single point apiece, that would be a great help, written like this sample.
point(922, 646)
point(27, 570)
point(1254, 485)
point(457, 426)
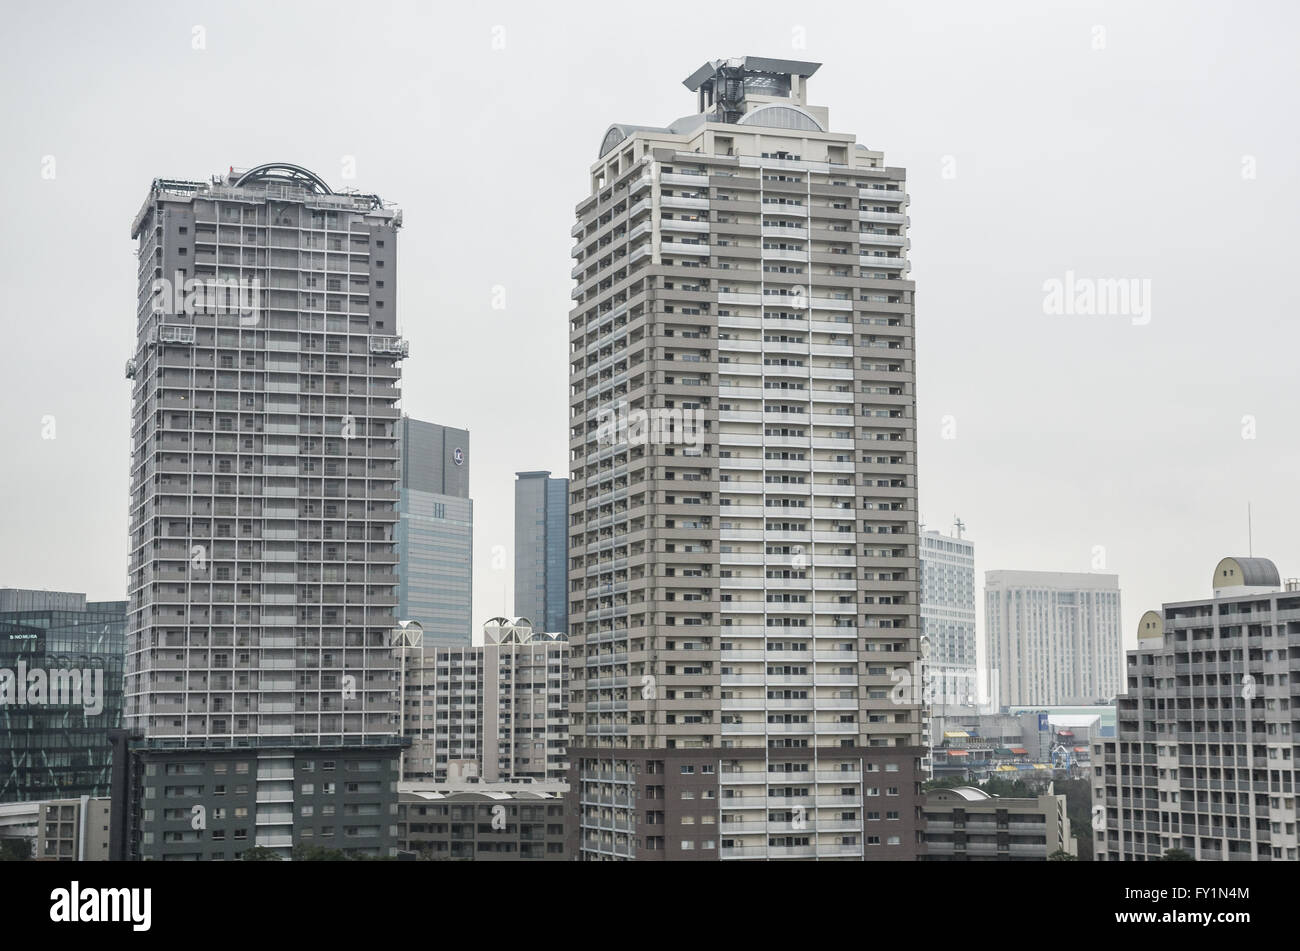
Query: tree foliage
point(15, 850)
point(259, 853)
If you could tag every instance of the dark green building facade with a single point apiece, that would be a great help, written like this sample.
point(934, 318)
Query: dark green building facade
point(61, 664)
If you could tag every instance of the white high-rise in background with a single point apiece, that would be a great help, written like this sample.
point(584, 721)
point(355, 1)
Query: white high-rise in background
point(1053, 636)
point(948, 617)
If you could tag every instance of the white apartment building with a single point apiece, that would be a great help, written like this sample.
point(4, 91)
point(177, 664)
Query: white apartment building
point(497, 712)
point(948, 618)
point(743, 575)
point(1053, 636)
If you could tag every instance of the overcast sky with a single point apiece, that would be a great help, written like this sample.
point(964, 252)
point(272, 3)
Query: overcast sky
point(1155, 142)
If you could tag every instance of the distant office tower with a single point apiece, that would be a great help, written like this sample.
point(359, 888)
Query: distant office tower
point(542, 550)
point(1204, 757)
point(743, 538)
point(1054, 636)
point(497, 712)
point(435, 531)
point(948, 616)
point(60, 693)
point(264, 489)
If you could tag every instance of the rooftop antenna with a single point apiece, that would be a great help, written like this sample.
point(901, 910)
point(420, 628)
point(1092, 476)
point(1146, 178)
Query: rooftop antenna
point(958, 525)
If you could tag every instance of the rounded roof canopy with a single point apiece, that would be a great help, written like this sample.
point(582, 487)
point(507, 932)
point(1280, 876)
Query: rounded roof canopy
point(506, 630)
point(283, 173)
point(613, 137)
point(1246, 572)
point(1151, 624)
point(778, 116)
point(969, 793)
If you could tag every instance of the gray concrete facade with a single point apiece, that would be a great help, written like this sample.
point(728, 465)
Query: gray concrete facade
point(212, 805)
point(264, 479)
point(1204, 756)
point(966, 824)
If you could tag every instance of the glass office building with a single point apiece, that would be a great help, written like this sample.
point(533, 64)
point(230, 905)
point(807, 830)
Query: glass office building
point(61, 663)
point(435, 531)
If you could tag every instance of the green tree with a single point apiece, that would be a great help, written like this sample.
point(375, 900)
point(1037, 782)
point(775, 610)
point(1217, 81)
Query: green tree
point(994, 786)
point(1078, 806)
point(15, 850)
point(1177, 855)
point(1007, 788)
point(317, 853)
point(1060, 855)
point(259, 853)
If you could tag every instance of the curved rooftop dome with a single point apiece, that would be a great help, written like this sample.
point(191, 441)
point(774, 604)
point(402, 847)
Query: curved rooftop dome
point(1151, 624)
point(781, 117)
point(622, 130)
point(1247, 572)
point(969, 793)
point(283, 173)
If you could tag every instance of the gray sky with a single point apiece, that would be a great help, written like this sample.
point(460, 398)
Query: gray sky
point(1152, 141)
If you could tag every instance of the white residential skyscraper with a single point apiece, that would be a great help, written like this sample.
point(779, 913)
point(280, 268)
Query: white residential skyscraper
point(948, 615)
point(743, 573)
point(1053, 636)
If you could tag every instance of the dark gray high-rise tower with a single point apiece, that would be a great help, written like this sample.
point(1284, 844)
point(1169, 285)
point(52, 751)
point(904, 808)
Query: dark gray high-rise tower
point(264, 489)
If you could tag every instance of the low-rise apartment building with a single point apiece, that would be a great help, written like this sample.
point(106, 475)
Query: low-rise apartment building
point(967, 824)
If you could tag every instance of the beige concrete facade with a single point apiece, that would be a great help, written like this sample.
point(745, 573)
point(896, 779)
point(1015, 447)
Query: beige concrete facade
point(743, 574)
